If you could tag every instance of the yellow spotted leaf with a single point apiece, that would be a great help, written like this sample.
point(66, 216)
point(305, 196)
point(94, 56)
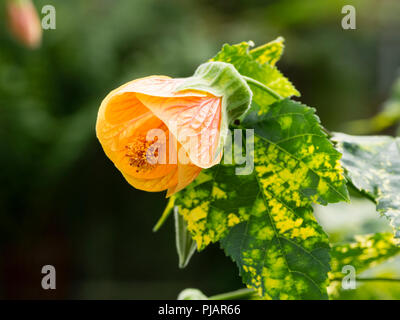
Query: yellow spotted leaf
point(281, 252)
point(259, 64)
point(270, 52)
point(372, 165)
point(264, 219)
point(364, 252)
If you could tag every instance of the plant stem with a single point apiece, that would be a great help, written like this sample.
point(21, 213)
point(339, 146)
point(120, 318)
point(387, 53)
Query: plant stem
point(263, 87)
point(242, 294)
point(234, 295)
point(247, 293)
point(371, 279)
point(165, 215)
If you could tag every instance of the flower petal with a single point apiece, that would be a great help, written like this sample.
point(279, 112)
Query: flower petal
point(123, 123)
point(186, 174)
point(159, 86)
point(194, 121)
point(192, 116)
point(154, 185)
point(128, 113)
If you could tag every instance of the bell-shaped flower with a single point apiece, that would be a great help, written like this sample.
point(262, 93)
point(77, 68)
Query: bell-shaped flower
point(161, 132)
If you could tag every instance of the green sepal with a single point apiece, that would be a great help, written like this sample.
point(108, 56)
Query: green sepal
point(222, 80)
point(185, 245)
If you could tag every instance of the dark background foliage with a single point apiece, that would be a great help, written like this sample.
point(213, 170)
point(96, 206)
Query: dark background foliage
point(62, 202)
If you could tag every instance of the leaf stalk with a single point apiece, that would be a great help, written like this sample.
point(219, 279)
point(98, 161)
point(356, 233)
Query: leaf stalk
point(263, 87)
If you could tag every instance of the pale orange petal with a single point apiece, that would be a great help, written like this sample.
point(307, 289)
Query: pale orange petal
point(194, 121)
point(159, 86)
point(129, 112)
point(122, 121)
point(186, 174)
point(154, 185)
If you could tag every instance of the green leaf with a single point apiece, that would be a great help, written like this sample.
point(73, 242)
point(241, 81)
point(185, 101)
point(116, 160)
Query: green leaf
point(294, 155)
point(293, 160)
point(270, 52)
point(372, 164)
point(265, 218)
point(216, 201)
point(280, 251)
point(254, 64)
point(365, 252)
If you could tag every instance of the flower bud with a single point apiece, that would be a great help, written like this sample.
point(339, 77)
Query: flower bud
point(24, 22)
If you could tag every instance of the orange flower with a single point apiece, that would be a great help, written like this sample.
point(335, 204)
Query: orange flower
point(161, 132)
point(24, 22)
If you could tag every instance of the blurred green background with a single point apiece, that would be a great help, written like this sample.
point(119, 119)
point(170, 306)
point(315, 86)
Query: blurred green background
point(62, 202)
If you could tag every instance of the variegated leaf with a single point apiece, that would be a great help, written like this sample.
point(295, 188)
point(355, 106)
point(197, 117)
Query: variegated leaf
point(372, 165)
point(259, 66)
point(364, 252)
point(270, 52)
point(265, 218)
